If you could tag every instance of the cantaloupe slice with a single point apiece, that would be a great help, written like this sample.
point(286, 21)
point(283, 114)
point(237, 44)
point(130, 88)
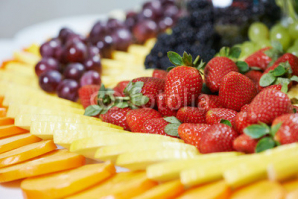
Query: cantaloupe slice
point(121, 186)
point(62, 184)
point(262, 190)
point(3, 112)
point(216, 190)
point(10, 143)
point(166, 190)
point(26, 152)
point(10, 130)
point(1, 100)
point(290, 185)
point(55, 161)
point(6, 121)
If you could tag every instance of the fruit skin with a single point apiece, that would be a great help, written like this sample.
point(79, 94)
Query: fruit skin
point(136, 118)
point(116, 116)
point(218, 138)
point(215, 115)
point(162, 106)
point(216, 69)
point(191, 115)
point(192, 133)
point(241, 121)
point(119, 88)
point(255, 76)
point(236, 90)
point(183, 86)
point(292, 59)
point(155, 126)
point(152, 87)
point(259, 59)
point(268, 105)
point(88, 95)
point(288, 132)
point(244, 108)
point(209, 101)
point(245, 144)
point(160, 74)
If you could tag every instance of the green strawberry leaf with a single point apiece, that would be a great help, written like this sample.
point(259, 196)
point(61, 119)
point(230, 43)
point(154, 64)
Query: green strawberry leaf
point(197, 61)
point(128, 88)
point(139, 99)
point(170, 68)
point(294, 78)
point(285, 88)
point(206, 90)
point(255, 68)
point(224, 52)
point(277, 46)
point(242, 66)
point(294, 100)
point(121, 104)
point(172, 120)
point(265, 144)
point(256, 131)
point(187, 59)
point(175, 58)
point(267, 79)
point(93, 110)
point(277, 143)
point(227, 122)
point(294, 110)
point(275, 128)
point(235, 52)
point(172, 129)
point(279, 71)
point(282, 81)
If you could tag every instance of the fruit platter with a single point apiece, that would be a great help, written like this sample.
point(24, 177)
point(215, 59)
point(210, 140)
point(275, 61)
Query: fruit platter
point(177, 99)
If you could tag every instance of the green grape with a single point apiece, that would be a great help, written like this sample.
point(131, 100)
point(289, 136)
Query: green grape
point(293, 50)
point(263, 43)
point(247, 49)
point(293, 30)
point(280, 34)
point(258, 31)
point(295, 42)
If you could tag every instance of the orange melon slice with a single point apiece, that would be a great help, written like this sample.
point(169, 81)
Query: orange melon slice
point(9, 130)
point(6, 121)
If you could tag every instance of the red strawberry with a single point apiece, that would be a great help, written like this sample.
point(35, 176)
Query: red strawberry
point(259, 59)
point(119, 88)
point(241, 121)
point(292, 59)
point(236, 90)
point(209, 101)
point(191, 115)
point(159, 73)
point(245, 144)
point(136, 118)
point(192, 133)
point(288, 132)
point(88, 95)
point(116, 116)
point(162, 106)
point(216, 69)
point(254, 75)
point(218, 138)
point(244, 108)
point(268, 105)
point(215, 115)
point(155, 126)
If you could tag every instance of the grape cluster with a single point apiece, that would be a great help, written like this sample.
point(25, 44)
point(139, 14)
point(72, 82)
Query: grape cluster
point(207, 28)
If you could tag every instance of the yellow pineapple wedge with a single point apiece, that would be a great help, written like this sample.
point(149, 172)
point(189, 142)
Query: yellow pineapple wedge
point(26, 57)
point(283, 170)
point(112, 152)
point(19, 69)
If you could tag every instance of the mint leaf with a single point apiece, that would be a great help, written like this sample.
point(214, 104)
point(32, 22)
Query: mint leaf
point(172, 120)
point(256, 131)
point(92, 110)
point(172, 129)
point(175, 58)
point(227, 122)
point(279, 71)
point(242, 66)
point(267, 79)
point(265, 144)
point(235, 52)
point(275, 128)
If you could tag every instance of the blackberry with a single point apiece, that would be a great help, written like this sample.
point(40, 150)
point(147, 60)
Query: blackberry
point(197, 4)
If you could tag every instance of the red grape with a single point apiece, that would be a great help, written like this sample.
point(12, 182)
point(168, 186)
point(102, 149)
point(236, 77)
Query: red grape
point(68, 89)
point(165, 23)
point(93, 51)
point(145, 30)
point(122, 39)
point(114, 24)
point(131, 20)
point(74, 71)
point(93, 63)
point(49, 80)
point(46, 64)
point(106, 46)
point(64, 34)
point(98, 31)
point(76, 52)
point(171, 11)
point(90, 77)
point(49, 48)
point(155, 7)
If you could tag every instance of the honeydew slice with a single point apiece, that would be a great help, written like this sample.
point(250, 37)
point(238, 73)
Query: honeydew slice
point(62, 184)
point(170, 170)
point(88, 146)
point(140, 160)
point(122, 185)
point(26, 152)
point(113, 151)
point(55, 161)
point(10, 130)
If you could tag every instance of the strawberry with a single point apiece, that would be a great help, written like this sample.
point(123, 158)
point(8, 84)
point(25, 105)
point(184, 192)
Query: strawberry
point(116, 116)
point(216, 69)
point(255, 76)
point(155, 126)
point(191, 115)
point(119, 88)
point(292, 59)
point(88, 95)
point(162, 106)
point(245, 144)
point(236, 90)
point(192, 133)
point(136, 118)
point(241, 121)
point(218, 138)
point(259, 59)
point(288, 131)
point(184, 82)
point(244, 108)
point(159, 73)
point(209, 101)
point(215, 115)
point(268, 105)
